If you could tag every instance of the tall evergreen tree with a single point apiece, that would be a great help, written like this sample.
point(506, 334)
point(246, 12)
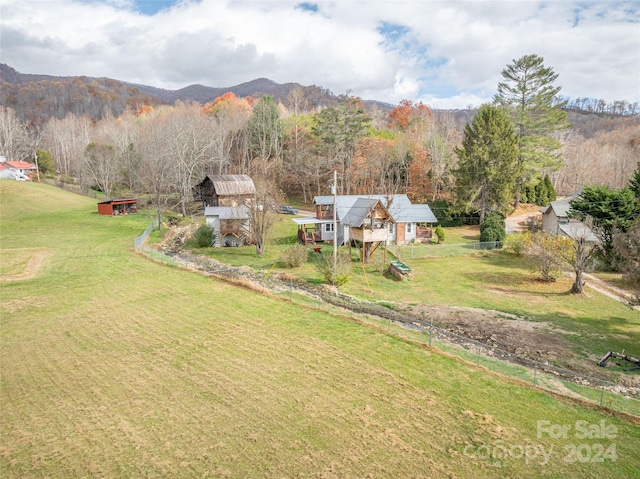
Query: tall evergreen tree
point(530, 96)
point(487, 162)
point(634, 182)
point(336, 132)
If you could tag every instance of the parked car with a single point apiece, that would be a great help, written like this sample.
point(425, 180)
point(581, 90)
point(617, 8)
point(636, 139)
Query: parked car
point(287, 210)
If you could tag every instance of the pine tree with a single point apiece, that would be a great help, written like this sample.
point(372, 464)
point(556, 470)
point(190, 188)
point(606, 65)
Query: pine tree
point(551, 191)
point(487, 162)
point(528, 93)
point(634, 182)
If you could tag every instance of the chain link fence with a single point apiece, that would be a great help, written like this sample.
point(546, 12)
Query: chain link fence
point(544, 375)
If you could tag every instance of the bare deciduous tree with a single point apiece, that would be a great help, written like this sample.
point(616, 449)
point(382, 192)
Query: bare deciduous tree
point(14, 137)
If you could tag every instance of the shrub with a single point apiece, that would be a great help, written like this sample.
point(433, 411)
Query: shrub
point(203, 236)
point(337, 274)
point(440, 233)
point(493, 228)
point(545, 252)
point(171, 218)
point(294, 256)
point(515, 243)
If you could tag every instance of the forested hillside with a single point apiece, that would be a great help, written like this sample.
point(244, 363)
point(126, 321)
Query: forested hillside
point(124, 139)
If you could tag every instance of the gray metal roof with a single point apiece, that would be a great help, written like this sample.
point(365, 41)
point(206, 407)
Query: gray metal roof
point(233, 185)
point(560, 208)
point(399, 206)
point(578, 230)
point(228, 212)
point(358, 212)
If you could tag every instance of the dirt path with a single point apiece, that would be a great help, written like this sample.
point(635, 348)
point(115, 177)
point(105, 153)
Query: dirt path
point(611, 291)
point(35, 262)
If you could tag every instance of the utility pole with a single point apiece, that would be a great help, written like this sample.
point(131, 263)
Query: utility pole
point(335, 219)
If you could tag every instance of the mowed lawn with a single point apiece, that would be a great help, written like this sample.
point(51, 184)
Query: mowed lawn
point(592, 323)
point(115, 366)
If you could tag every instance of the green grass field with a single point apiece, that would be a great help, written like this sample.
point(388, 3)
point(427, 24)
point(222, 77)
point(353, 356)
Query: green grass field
point(113, 365)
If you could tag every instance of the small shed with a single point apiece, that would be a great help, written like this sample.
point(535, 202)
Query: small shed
point(120, 206)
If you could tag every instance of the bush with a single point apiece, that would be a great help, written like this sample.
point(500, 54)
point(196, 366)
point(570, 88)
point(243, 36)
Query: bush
point(493, 228)
point(450, 216)
point(294, 256)
point(440, 233)
point(546, 252)
point(515, 243)
point(171, 218)
point(338, 274)
point(203, 236)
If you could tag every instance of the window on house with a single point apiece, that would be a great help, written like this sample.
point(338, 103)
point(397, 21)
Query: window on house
point(409, 227)
point(328, 227)
point(392, 228)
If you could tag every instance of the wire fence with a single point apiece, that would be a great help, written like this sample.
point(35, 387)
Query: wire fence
point(426, 250)
point(541, 374)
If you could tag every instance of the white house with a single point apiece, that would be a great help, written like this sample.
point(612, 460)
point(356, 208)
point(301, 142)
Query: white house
point(410, 222)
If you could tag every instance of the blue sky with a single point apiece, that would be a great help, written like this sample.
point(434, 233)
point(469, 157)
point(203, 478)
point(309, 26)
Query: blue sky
point(448, 54)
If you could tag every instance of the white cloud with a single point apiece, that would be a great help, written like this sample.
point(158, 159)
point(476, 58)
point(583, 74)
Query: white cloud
point(446, 54)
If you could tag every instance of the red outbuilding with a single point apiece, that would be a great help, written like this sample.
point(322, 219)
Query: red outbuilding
point(120, 206)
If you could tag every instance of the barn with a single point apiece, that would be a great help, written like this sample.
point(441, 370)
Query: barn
point(117, 207)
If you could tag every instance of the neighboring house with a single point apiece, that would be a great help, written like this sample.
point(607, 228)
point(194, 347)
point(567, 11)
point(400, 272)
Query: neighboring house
point(555, 220)
point(407, 222)
point(554, 215)
point(226, 200)
point(17, 170)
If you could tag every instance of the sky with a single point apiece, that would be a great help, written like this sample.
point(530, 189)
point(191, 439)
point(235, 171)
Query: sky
point(446, 54)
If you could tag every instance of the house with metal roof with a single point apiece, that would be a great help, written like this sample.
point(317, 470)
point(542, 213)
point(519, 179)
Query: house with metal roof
point(17, 170)
point(556, 220)
point(408, 222)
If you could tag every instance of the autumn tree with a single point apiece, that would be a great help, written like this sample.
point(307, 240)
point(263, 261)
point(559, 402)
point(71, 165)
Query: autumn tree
point(157, 172)
point(529, 94)
point(377, 167)
point(67, 140)
point(298, 159)
point(583, 244)
point(487, 162)
point(100, 167)
point(262, 213)
point(545, 252)
point(265, 132)
point(627, 247)
point(228, 116)
point(14, 137)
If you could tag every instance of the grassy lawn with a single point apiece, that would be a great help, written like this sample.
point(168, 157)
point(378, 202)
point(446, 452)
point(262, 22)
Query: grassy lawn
point(117, 366)
point(491, 280)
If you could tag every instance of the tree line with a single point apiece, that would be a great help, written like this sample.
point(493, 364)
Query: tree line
point(509, 148)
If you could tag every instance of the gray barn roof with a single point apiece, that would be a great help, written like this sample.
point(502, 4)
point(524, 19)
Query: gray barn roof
point(227, 212)
point(233, 185)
